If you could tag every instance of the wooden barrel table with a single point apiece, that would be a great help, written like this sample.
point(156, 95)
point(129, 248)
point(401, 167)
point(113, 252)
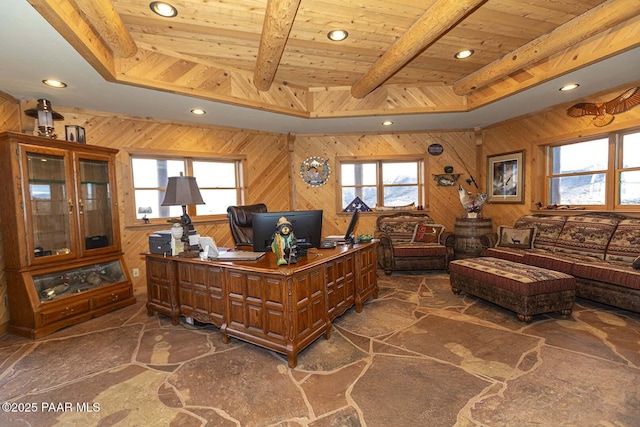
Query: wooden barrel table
point(468, 232)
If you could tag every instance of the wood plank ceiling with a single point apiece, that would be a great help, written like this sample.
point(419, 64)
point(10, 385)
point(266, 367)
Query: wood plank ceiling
point(399, 55)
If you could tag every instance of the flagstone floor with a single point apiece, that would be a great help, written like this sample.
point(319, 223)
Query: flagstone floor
point(416, 356)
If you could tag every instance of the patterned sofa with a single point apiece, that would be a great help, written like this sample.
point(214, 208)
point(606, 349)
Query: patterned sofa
point(601, 250)
point(412, 241)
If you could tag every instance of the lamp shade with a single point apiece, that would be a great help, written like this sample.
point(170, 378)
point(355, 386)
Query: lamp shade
point(182, 191)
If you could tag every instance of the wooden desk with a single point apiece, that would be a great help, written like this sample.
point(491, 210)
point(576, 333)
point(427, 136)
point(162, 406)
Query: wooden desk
point(282, 308)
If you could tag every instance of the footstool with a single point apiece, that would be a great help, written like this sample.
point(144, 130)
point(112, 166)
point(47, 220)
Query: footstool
point(522, 288)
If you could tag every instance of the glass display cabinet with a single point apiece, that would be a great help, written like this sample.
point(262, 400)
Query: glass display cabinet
point(60, 233)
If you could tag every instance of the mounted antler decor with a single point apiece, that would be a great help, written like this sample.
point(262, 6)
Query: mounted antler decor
point(604, 112)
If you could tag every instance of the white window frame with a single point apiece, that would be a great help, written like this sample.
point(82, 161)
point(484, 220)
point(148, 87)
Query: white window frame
point(612, 172)
point(421, 185)
point(132, 215)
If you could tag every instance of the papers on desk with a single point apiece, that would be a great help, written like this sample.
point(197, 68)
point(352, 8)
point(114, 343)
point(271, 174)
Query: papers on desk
point(209, 246)
point(213, 252)
point(237, 256)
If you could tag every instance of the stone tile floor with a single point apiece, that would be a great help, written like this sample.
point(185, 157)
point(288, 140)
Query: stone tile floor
point(417, 356)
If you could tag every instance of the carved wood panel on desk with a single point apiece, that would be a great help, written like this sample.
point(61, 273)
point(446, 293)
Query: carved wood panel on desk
point(282, 313)
point(200, 292)
point(341, 291)
point(367, 282)
point(161, 288)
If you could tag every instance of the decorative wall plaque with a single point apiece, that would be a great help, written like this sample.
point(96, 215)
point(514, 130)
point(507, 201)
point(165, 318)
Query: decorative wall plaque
point(435, 149)
point(315, 171)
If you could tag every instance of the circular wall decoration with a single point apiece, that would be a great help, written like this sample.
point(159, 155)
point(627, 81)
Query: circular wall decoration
point(435, 149)
point(315, 171)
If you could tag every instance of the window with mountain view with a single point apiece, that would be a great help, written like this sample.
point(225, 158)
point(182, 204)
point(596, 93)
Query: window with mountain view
point(603, 172)
point(630, 170)
point(382, 182)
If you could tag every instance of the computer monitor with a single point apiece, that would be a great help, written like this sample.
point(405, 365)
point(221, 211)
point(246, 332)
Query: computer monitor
point(306, 226)
point(348, 236)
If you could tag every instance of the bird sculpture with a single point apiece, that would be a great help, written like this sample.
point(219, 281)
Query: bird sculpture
point(471, 203)
point(604, 112)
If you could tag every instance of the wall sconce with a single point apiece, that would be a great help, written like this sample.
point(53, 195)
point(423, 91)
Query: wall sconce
point(145, 210)
point(45, 116)
point(183, 191)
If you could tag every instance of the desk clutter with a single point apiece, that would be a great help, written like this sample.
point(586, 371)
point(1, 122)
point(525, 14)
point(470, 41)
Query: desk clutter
point(164, 243)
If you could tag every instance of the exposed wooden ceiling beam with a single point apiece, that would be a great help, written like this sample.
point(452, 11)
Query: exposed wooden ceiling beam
point(106, 21)
point(278, 21)
point(440, 17)
point(69, 21)
point(580, 28)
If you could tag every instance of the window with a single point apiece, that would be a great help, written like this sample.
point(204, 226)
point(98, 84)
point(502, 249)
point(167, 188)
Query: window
point(219, 181)
point(602, 172)
point(630, 171)
point(394, 182)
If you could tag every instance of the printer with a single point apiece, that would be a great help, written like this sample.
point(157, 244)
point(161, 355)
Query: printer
point(160, 242)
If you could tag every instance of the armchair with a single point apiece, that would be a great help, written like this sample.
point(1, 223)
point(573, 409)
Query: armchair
point(240, 221)
point(412, 241)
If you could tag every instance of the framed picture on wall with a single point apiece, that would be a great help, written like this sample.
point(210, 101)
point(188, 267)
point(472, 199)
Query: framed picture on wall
point(505, 178)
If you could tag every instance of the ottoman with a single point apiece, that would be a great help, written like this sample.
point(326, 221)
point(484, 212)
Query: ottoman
point(522, 288)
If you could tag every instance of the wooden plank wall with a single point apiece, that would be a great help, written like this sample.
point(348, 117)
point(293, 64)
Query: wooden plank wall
point(444, 201)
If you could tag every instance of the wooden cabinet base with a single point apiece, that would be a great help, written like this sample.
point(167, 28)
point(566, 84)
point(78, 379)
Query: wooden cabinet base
point(282, 308)
point(50, 320)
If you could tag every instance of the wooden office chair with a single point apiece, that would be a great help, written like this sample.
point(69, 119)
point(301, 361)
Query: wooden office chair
point(241, 224)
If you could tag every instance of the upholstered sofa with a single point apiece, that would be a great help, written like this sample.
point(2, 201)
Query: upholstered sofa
point(601, 250)
point(412, 241)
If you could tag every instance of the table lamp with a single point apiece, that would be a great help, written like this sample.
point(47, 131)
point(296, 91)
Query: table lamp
point(183, 191)
point(145, 210)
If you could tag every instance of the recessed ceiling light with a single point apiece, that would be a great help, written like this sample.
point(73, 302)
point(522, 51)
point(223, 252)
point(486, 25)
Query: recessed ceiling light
point(464, 54)
point(54, 83)
point(163, 9)
point(198, 112)
point(570, 86)
point(387, 123)
point(337, 35)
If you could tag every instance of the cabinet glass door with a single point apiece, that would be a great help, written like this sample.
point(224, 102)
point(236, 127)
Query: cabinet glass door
point(76, 280)
point(96, 204)
point(50, 204)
